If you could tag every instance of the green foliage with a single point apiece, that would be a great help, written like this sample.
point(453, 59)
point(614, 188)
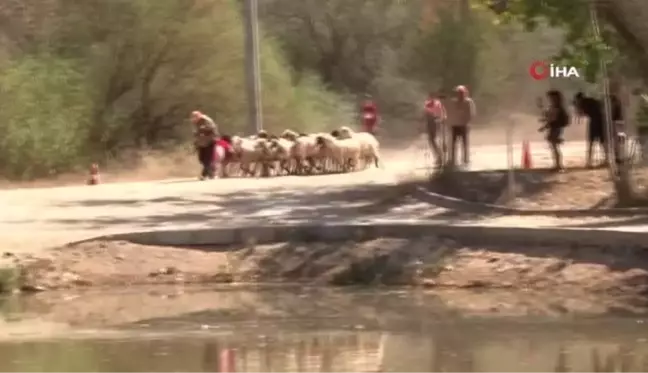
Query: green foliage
point(146, 65)
point(354, 47)
point(44, 116)
point(454, 46)
point(387, 48)
point(581, 48)
point(642, 112)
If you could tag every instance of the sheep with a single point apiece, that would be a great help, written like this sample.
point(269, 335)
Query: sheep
point(281, 151)
point(344, 152)
point(304, 151)
point(370, 147)
point(249, 153)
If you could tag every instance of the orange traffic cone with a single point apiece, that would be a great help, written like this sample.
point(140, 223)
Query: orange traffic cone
point(526, 155)
point(94, 178)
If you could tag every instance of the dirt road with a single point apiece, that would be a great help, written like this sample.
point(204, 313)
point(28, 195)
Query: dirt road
point(33, 219)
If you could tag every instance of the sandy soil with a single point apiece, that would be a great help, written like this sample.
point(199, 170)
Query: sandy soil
point(429, 262)
point(577, 188)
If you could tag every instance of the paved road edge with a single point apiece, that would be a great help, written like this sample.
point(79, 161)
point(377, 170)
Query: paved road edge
point(616, 240)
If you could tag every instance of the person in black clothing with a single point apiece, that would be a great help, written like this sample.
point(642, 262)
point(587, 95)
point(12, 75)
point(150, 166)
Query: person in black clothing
point(556, 119)
point(593, 109)
point(596, 132)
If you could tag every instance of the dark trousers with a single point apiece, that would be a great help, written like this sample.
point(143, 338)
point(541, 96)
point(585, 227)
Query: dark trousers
point(460, 133)
point(599, 135)
point(432, 125)
point(206, 159)
point(554, 138)
point(596, 134)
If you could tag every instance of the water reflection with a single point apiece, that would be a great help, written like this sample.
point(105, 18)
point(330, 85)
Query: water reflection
point(338, 351)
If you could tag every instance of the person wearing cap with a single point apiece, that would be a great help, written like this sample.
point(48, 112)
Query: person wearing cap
point(205, 135)
point(460, 112)
point(433, 115)
point(369, 115)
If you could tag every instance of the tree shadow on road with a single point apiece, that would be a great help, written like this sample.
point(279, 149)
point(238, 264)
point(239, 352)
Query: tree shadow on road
point(490, 186)
point(218, 209)
point(535, 188)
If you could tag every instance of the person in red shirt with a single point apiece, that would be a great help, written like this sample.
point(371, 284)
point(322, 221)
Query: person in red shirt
point(433, 116)
point(369, 115)
point(223, 153)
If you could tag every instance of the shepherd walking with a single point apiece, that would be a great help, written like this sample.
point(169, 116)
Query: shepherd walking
point(205, 135)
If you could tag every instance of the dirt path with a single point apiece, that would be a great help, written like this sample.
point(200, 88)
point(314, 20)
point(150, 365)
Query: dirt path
point(33, 219)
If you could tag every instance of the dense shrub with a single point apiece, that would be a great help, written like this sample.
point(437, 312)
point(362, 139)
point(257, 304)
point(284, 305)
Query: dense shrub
point(118, 75)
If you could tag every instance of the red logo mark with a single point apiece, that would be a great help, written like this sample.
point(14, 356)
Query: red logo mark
point(539, 70)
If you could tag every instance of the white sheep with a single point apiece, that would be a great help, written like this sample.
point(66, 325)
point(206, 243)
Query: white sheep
point(344, 152)
point(281, 149)
point(249, 152)
point(304, 151)
point(369, 145)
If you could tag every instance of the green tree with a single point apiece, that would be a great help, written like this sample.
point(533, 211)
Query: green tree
point(583, 47)
point(44, 116)
point(98, 78)
point(454, 46)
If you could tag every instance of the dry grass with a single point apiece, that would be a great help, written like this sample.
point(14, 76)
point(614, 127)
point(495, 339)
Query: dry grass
point(142, 166)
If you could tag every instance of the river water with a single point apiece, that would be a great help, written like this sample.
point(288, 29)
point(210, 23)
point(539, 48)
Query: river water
point(312, 330)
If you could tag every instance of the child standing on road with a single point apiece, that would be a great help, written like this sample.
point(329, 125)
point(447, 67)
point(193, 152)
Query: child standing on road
point(223, 152)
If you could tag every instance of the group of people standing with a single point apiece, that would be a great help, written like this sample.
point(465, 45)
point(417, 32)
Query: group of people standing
point(455, 113)
point(556, 118)
point(458, 112)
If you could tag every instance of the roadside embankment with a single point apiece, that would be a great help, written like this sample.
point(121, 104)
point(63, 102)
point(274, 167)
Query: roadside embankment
point(444, 258)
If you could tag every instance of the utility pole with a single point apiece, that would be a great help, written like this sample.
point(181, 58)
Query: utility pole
point(252, 64)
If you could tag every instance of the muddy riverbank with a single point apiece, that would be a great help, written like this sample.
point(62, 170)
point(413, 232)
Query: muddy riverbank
point(430, 262)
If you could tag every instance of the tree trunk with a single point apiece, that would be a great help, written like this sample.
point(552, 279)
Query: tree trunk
point(635, 41)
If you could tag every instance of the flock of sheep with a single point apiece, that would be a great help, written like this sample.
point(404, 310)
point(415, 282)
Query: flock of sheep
point(291, 153)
